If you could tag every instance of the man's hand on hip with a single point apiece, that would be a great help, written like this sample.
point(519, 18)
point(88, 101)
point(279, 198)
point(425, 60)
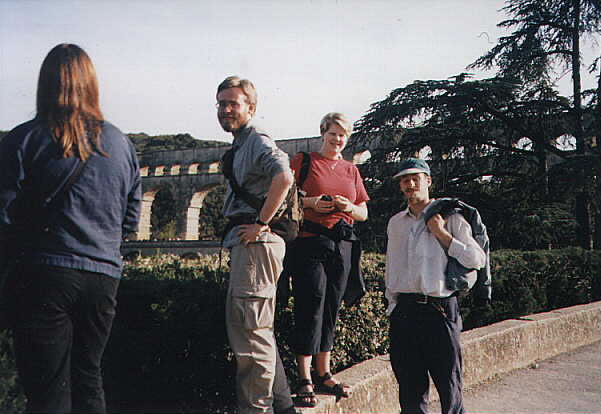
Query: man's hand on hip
point(250, 233)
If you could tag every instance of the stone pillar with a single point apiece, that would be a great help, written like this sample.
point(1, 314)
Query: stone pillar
point(144, 226)
point(194, 214)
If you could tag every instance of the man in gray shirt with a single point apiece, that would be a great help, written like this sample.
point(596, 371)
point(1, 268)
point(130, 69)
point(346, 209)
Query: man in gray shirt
point(256, 253)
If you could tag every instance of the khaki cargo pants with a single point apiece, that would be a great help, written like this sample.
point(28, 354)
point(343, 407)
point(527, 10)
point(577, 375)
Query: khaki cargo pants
point(249, 315)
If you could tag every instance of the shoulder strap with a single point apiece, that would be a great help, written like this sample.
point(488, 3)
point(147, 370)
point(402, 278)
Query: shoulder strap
point(227, 169)
point(51, 199)
point(304, 170)
point(64, 189)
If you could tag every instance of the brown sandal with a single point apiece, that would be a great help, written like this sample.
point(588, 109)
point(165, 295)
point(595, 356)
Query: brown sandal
point(339, 390)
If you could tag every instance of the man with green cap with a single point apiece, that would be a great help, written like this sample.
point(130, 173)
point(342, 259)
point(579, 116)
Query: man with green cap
point(425, 323)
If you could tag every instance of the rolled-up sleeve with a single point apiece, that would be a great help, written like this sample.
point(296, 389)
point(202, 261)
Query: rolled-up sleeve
point(464, 247)
point(271, 159)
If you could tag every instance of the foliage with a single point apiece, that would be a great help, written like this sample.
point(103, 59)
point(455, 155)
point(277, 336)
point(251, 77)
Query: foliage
point(504, 141)
point(211, 222)
point(11, 396)
point(163, 225)
point(171, 330)
point(147, 143)
point(168, 349)
point(544, 36)
point(526, 282)
point(544, 45)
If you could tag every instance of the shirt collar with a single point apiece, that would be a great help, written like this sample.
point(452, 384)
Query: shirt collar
point(408, 212)
point(241, 135)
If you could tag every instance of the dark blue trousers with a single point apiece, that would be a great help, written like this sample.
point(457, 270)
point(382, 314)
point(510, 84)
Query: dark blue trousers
point(64, 318)
point(424, 339)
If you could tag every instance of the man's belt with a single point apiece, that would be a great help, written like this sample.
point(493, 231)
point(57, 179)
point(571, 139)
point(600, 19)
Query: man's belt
point(237, 220)
point(421, 299)
point(241, 219)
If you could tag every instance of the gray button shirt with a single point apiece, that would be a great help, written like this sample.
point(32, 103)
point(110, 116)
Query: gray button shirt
point(256, 162)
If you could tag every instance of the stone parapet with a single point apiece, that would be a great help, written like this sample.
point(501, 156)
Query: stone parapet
point(487, 352)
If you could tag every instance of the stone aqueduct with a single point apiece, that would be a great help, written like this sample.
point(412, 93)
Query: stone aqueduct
point(190, 175)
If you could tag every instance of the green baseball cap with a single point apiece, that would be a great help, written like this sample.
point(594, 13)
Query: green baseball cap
point(412, 166)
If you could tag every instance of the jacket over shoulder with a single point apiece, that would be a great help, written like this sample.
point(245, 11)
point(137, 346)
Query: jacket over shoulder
point(456, 273)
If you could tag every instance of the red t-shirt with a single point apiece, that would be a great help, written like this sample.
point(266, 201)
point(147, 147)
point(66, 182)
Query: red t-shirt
point(331, 177)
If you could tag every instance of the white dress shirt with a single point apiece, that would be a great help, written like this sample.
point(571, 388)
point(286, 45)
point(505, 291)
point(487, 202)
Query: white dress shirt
point(416, 261)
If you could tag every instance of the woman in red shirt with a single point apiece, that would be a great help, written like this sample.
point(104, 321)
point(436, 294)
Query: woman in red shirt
point(320, 257)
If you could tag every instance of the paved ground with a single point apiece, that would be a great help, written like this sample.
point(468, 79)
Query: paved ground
point(569, 383)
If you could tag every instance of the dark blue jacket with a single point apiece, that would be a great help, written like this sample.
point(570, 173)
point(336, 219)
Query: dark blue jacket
point(86, 225)
point(455, 273)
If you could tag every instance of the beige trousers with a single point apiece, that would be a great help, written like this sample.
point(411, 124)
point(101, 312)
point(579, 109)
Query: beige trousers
point(249, 315)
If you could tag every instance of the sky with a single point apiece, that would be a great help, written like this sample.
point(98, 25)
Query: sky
point(159, 61)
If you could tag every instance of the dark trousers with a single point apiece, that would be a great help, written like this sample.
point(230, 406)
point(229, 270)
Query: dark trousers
point(63, 324)
point(424, 339)
point(282, 401)
point(319, 278)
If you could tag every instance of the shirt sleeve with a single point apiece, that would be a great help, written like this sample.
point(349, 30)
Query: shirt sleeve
point(463, 246)
point(272, 159)
point(362, 195)
point(295, 165)
point(391, 247)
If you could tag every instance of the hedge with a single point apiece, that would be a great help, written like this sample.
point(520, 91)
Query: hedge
point(168, 350)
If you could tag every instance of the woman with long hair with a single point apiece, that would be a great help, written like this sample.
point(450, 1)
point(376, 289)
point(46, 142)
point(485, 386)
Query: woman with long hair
point(65, 236)
point(321, 258)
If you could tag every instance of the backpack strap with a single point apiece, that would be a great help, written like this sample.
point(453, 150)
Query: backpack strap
point(227, 169)
point(304, 170)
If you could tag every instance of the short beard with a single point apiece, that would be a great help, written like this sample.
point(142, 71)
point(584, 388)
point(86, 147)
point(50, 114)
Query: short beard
point(228, 126)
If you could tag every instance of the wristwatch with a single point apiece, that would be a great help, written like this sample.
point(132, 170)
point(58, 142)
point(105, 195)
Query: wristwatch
point(262, 223)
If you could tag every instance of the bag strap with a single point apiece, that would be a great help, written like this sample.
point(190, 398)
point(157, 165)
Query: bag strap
point(64, 189)
point(250, 199)
point(304, 170)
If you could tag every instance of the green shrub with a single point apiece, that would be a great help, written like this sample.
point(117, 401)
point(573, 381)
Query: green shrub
point(168, 349)
point(11, 396)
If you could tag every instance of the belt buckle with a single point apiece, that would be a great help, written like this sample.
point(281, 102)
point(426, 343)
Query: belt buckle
point(422, 299)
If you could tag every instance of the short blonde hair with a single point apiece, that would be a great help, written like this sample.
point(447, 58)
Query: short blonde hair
point(338, 119)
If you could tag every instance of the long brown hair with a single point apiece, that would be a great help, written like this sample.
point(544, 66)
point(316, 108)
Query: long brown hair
point(68, 100)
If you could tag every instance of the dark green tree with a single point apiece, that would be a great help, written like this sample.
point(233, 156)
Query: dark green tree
point(211, 222)
point(162, 219)
point(546, 42)
point(493, 139)
point(490, 142)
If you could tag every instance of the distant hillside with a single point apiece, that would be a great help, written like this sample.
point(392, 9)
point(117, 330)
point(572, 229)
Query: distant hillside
point(146, 143)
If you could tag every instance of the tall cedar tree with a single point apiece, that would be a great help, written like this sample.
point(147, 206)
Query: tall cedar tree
point(548, 36)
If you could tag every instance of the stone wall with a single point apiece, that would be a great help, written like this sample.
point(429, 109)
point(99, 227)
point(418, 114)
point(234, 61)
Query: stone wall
point(487, 352)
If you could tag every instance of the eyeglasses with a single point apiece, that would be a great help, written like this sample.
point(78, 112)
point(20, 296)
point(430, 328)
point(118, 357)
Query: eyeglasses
point(224, 104)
